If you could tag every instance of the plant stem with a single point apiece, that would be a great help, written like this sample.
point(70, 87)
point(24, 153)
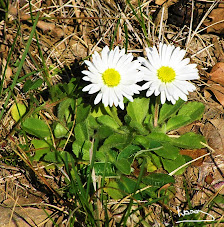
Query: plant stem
point(156, 112)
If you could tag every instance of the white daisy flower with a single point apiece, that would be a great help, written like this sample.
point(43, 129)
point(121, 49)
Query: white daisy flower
point(113, 75)
point(167, 73)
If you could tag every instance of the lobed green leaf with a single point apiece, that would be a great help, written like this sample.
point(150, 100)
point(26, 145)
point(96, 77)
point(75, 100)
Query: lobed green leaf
point(171, 165)
point(123, 165)
point(177, 122)
point(138, 109)
point(168, 110)
point(36, 127)
point(189, 140)
point(138, 127)
point(158, 179)
point(81, 132)
point(108, 121)
point(168, 151)
point(194, 110)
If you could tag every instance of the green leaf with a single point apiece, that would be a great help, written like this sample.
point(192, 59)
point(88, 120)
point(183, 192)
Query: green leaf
point(138, 127)
point(98, 110)
point(60, 131)
point(57, 92)
point(113, 190)
point(168, 109)
point(219, 199)
point(92, 123)
point(129, 186)
point(108, 121)
point(116, 140)
point(32, 85)
point(81, 150)
point(141, 141)
point(111, 156)
point(57, 157)
point(171, 165)
point(168, 151)
point(104, 169)
point(128, 152)
point(104, 131)
point(41, 147)
point(189, 140)
point(63, 108)
point(160, 137)
point(177, 122)
point(146, 142)
point(156, 160)
point(124, 166)
point(82, 113)
point(150, 166)
point(81, 132)
point(36, 127)
point(194, 110)
point(138, 109)
point(17, 111)
point(158, 179)
point(71, 86)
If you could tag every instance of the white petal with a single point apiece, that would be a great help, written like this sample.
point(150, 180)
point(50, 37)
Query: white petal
point(105, 98)
point(104, 55)
point(95, 88)
point(88, 87)
point(149, 93)
point(146, 85)
point(163, 97)
point(121, 104)
point(98, 98)
point(86, 78)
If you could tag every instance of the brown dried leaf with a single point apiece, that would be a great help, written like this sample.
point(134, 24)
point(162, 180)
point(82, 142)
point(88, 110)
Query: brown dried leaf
point(193, 127)
point(216, 15)
point(163, 10)
point(217, 73)
point(218, 91)
point(195, 153)
point(219, 125)
point(213, 131)
point(218, 51)
point(8, 72)
point(44, 26)
point(159, 2)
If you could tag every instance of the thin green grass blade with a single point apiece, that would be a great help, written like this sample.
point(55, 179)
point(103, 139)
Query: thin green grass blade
point(22, 79)
point(89, 182)
point(126, 37)
point(140, 19)
point(115, 33)
point(45, 69)
point(8, 59)
point(79, 190)
point(82, 196)
point(2, 4)
point(128, 210)
point(15, 80)
point(103, 179)
point(134, 12)
point(107, 221)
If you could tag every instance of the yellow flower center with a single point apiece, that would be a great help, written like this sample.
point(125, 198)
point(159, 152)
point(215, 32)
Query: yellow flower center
point(111, 77)
point(166, 74)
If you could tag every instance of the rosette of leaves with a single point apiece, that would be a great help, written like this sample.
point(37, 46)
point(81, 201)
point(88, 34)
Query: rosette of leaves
point(122, 140)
